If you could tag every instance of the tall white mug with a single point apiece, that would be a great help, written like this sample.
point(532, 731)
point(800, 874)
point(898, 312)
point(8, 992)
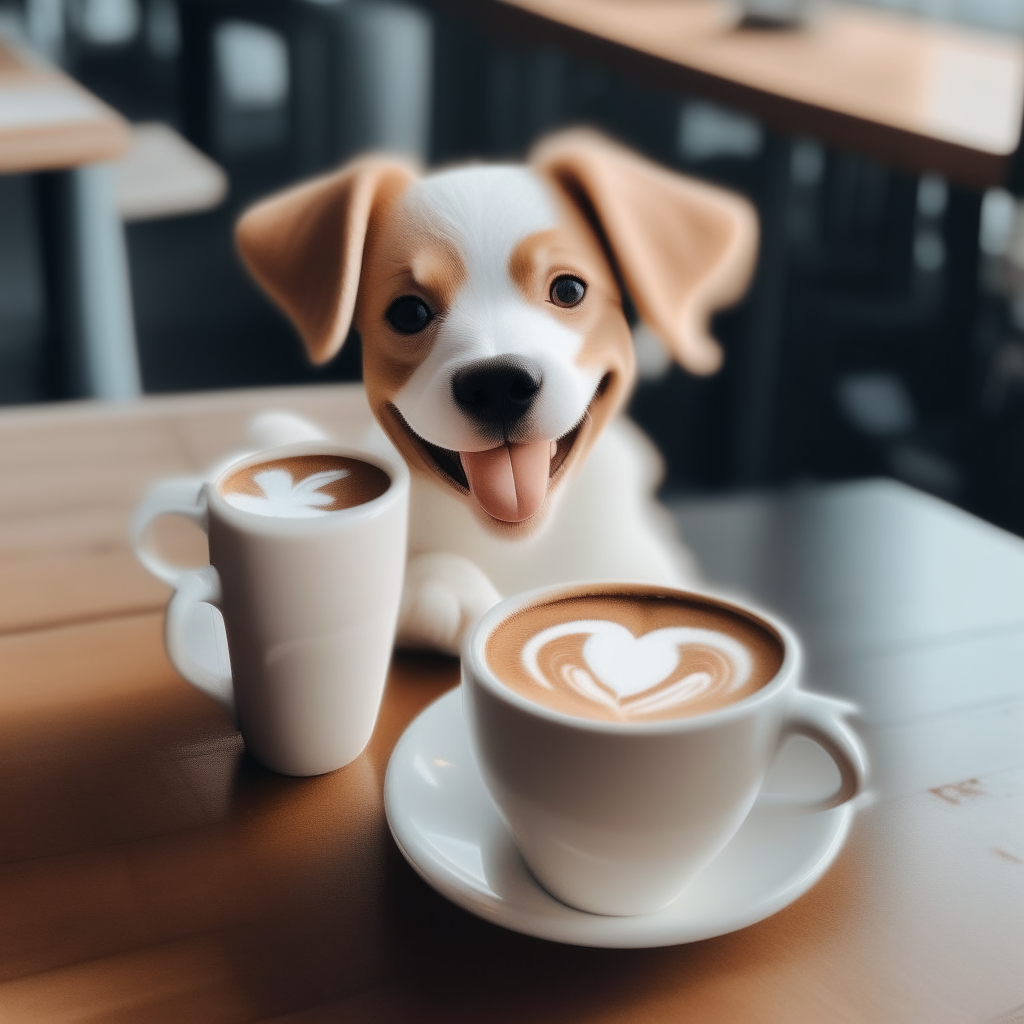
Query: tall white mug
point(310, 607)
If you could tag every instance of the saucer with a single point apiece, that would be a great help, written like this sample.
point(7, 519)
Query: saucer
point(451, 833)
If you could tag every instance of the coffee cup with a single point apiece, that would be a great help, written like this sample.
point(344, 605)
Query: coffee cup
point(307, 557)
point(624, 732)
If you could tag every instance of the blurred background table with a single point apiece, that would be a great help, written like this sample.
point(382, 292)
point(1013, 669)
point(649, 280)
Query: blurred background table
point(916, 94)
point(52, 127)
point(48, 121)
point(150, 872)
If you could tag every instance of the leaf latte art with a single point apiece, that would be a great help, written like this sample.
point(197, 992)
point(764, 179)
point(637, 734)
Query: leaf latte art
point(632, 654)
point(304, 486)
point(641, 676)
point(282, 496)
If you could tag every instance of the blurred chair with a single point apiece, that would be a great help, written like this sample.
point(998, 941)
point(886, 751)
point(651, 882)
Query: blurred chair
point(357, 74)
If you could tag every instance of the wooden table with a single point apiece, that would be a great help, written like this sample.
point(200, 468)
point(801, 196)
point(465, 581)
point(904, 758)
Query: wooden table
point(919, 95)
point(49, 123)
point(151, 873)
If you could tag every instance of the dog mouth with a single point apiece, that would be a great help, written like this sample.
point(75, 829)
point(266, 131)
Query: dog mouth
point(509, 482)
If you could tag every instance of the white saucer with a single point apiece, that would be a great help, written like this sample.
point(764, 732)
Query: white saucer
point(450, 832)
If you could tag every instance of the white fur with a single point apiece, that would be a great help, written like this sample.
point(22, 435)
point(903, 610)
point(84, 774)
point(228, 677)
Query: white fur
point(485, 212)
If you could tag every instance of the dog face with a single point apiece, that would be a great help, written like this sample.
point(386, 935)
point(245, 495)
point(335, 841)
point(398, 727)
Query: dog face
point(495, 344)
point(488, 300)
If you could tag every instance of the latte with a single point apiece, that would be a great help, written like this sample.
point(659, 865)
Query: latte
point(633, 654)
point(303, 486)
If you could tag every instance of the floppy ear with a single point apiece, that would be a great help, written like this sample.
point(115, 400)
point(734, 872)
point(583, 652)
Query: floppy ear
point(682, 247)
point(305, 246)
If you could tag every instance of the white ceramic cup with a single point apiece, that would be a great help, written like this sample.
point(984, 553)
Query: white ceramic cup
point(617, 818)
point(310, 607)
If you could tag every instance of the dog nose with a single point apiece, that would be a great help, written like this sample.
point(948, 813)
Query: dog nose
point(499, 391)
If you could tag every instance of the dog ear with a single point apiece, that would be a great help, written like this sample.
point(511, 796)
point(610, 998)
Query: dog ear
point(683, 248)
point(305, 246)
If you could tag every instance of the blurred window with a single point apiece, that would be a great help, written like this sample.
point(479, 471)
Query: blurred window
point(108, 22)
point(252, 62)
point(876, 403)
point(708, 131)
point(998, 212)
point(163, 30)
point(932, 196)
point(807, 163)
point(44, 24)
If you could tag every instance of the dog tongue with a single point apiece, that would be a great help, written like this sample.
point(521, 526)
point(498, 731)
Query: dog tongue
point(509, 482)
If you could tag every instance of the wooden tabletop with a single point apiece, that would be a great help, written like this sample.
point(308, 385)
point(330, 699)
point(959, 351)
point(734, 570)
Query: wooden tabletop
point(48, 121)
point(906, 91)
point(150, 872)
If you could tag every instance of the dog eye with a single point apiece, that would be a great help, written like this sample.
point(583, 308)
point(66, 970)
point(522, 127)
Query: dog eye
point(409, 314)
point(567, 291)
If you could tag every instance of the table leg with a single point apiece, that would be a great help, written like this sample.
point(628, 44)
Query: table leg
point(90, 288)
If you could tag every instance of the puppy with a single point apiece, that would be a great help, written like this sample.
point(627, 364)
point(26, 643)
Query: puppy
point(496, 351)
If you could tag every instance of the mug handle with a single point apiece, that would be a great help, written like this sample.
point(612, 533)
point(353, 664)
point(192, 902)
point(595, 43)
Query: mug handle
point(181, 496)
point(819, 718)
point(194, 587)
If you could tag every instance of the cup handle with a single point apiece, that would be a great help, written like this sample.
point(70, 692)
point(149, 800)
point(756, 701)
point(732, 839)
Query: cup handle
point(180, 496)
point(196, 586)
point(819, 718)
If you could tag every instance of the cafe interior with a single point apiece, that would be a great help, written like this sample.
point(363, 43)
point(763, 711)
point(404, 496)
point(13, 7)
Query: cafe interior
point(854, 468)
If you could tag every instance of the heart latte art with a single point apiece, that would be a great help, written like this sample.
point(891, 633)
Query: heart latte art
point(648, 655)
point(603, 662)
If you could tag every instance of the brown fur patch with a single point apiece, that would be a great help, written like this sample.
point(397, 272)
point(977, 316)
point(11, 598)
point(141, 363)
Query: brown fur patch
point(402, 260)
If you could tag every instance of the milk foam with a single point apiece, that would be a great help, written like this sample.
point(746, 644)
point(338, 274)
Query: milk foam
point(640, 675)
point(633, 653)
point(282, 496)
point(303, 486)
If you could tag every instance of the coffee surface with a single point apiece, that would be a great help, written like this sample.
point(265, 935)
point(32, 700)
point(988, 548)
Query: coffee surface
point(633, 654)
point(302, 486)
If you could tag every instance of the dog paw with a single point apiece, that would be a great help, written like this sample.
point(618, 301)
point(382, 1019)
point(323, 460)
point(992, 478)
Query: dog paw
point(444, 596)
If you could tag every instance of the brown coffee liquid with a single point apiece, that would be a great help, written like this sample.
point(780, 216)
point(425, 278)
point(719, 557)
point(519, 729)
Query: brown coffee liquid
point(637, 654)
point(304, 486)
